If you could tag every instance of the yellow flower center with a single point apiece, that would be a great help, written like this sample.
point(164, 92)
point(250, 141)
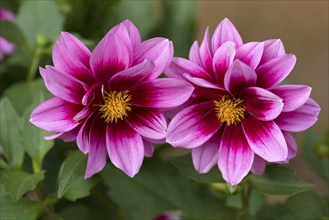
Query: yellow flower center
point(115, 107)
point(229, 111)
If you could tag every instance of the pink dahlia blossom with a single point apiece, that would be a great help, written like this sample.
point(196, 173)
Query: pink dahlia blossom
point(6, 48)
point(238, 116)
point(110, 100)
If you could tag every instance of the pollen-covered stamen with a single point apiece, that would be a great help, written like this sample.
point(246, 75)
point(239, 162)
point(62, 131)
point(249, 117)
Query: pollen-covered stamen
point(116, 106)
point(229, 110)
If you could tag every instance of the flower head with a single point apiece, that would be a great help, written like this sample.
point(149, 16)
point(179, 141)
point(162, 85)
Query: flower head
point(110, 100)
point(6, 48)
point(238, 117)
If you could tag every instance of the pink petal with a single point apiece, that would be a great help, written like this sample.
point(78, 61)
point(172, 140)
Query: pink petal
point(294, 96)
point(301, 119)
point(6, 15)
point(225, 31)
point(194, 54)
point(272, 49)
point(291, 143)
point(261, 103)
point(275, 71)
point(223, 59)
point(265, 139)
point(83, 135)
point(6, 48)
point(148, 148)
point(132, 76)
point(67, 136)
point(121, 32)
point(63, 85)
point(110, 56)
point(235, 155)
point(201, 82)
point(205, 53)
point(193, 126)
point(55, 115)
point(149, 123)
point(206, 156)
point(125, 147)
point(259, 165)
point(250, 53)
point(238, 77)
point(179, 66)
point(158, 50)
point(71, 56)
point(161, 93)
point(133, 33)
point(96, 144)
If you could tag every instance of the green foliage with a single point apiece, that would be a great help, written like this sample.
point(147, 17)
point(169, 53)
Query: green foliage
point(185, 165)
point(279, 180)
point(23, 209)
point(157, 188)
point(9, 137)
point(17, 183)
point(39, 18)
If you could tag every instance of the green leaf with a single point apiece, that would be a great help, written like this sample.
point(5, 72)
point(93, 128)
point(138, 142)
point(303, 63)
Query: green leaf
point(23, 209)
point(23, 94)
point(310, 150)
point(278, 180)
point(32, 137)
point(157, 188)
point(17, 183)
point(185, 165)
point(9, 138)
point(71, 171)
point(81, 188)
point(39, 18)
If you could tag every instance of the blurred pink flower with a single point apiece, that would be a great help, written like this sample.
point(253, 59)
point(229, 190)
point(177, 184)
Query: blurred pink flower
point(6, 48)
point(110, 100)
point(237, 116)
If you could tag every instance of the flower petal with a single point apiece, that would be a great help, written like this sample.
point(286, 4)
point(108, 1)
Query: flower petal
point(63, 85)
point(6, 15)
point(133, 33)
point(301, 119)
point(179, 66)
point(148, 148)
point(67, 136)
point(193, 126)
point(275, 71)
point(223, 59)
point(258, 166)
point(206, 156)
point(250, 53)
point(235, 155)
point(291, 143)
point(205, 53)
point(83, 135)
point(225, 31)
point(125, 147)
point(161, 93)
point(294, 96)
point(110, 56)
point(96, 144)
point(265, 139)
point(149, 123)
point(261, 103)
point(55, 115)
point(158, 50)
point(238, 77)
point(132, 76)
point(272, 49)
point(6, 48)
point(71, 56)
point(201, 82)
point(194, 54)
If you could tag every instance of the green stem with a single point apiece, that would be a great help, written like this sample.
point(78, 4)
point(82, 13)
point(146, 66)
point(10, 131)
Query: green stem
point(245, 194)
point(34, 64)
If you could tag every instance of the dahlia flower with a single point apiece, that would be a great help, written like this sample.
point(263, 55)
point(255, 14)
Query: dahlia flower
point(6, 48)
point(110, 100)
point(238, 116)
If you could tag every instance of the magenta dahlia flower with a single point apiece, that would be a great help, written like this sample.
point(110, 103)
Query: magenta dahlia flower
point(110, 100)
point(6, 48)
point(238, 116)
